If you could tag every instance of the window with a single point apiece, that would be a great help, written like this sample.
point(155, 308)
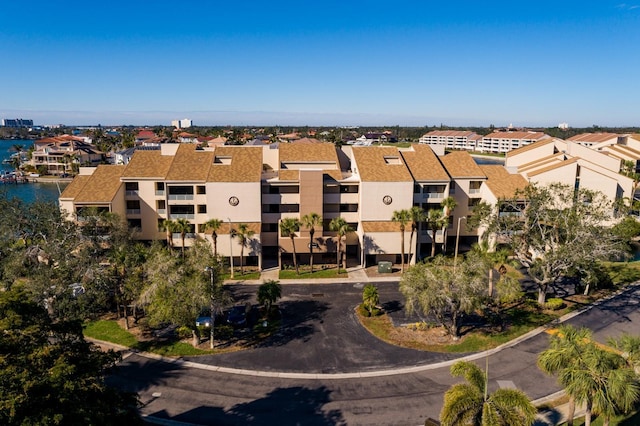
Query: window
point(161, 205)
point(134, 223)
point(289, 208)
point(348, 207)
point(159, 186)
point(474, 186)
point(474, 202)
point(133, 205)
point(202, 208)
point(349, 189)
point(269, 227)
point(181, 211)
point(452, 188)
point(201, 189)
point(131, 186)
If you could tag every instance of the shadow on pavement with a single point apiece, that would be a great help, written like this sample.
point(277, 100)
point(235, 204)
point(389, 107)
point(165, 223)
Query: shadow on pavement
point(298, 322)
point(282, 406)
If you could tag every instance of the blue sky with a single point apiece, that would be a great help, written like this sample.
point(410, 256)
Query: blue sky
point(526, 63)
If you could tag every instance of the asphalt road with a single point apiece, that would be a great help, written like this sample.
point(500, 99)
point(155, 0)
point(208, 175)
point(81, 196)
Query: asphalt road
point(326, 339)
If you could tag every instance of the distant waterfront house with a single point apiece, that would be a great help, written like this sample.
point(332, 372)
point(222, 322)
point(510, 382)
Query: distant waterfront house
point(62, 154)
point(501, 142)
point(452, 139)
point(124, 156)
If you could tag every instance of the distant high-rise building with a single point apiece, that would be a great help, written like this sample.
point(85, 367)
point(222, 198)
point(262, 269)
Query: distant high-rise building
point(563, 126)
point(182, 124)
point(16, 123)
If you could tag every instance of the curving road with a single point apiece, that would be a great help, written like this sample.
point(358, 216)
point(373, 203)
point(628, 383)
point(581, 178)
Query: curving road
point(321, 336)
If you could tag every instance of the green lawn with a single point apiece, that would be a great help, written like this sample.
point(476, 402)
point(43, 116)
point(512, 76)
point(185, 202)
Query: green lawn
point(305, 272)
point(631, 419)
point(248, 275)
point(110, 331)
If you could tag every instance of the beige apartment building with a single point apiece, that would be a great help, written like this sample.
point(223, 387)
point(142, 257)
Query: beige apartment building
point(259, 186)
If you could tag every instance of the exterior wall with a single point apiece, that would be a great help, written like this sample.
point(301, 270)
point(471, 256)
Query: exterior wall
point(566, 175)
point(148, 210)
point(372, 207)
point(595, 157)
point(248, 209)
point(513, 160)
point(589, 179)
point(386, 243)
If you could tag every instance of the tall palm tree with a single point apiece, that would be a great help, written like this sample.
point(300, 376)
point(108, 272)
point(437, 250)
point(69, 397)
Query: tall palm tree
point(169, 226)
point(471, 404)
point(564, 352)
point(448, 204)
point(310, 221)
point(491, 258)
point(416, 214)
point(342, 227)
point(182, 226)
point(402, 217)
point(288, 228)
point(244, 234)
point(601, 379)
point(629, 346)
point(213, 225)
point(435, 220)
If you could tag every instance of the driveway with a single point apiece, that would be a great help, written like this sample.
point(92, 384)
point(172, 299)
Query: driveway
point(320, 333)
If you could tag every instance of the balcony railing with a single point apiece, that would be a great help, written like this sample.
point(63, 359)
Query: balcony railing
point(131, 193)
point(133, 211)
point(182, 216)
point(181, 196)
point(159, 193)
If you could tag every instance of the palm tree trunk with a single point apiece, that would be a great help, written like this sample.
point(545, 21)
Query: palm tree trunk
point(215, 244)
point(295, 259)
point(587, 414)
point(410, 244)
point(491, 282)
point(402, 249)
point(242, 259)
point(182, 246)
point(571, 411)
point(433, 243)
point(311, 250)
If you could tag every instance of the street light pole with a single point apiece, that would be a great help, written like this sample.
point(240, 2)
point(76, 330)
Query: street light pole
point(230, 247)
point(212, 272)
point(455, 256)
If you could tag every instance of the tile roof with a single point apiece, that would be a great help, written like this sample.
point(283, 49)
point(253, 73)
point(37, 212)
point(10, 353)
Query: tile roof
point(102, 185)
point(380, 226)
point(593, 137)
point(245, 166)
point(307, 141)
point(453, 133)
point(517, 135)
point(373, 165)
point(424, 164)
point(148, 164)
point(502, 183)
point(190, 165)
point(460, 164)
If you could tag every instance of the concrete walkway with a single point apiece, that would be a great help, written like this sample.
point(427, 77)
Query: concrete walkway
point(356, 274)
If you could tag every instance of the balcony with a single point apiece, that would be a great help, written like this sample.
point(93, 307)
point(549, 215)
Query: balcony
point(161, 211)
point(182, 216)
point(180, 197)
point(131, 193)
point(133, 211)
point(159, 193)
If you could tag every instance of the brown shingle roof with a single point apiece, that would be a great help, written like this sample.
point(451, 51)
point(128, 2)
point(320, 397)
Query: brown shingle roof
point(554, 166)
point(245, 166)
point(553, 158)
point(381, 164)
point(102, 185)
point(593, 137)
point(460, 164)
point(529, 147)
point(308, 152)
point(424, 164)
point(148, 164)
point(379, 226)
point(190, 165)
point(73, 189)
point(502, 183)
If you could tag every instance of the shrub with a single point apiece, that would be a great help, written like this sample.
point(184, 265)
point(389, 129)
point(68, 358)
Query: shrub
point(223, 332)
point(184, 332)
point(362, 310)
point(554, 304)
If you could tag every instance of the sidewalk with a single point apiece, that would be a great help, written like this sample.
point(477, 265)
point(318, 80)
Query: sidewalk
point(357, 274)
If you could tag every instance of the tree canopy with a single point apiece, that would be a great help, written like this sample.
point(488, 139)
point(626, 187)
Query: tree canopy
point(553, 231)
point(50, 375)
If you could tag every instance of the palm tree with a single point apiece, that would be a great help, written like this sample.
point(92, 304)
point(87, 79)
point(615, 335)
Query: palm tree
point(471, 404)
point(629, 347)
point(564, 352)
point(183, 226)
point(169, 226)
point(213, 225)
point(448, 204)
point(244, 234)
point(339, 225)
point(268, 293)
point(370, 297)
point(402, 217)
point(416, 214)
point(435, 220)
point(288, 228)
point(601, 379)
point(310, 221)
point(491, 258)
